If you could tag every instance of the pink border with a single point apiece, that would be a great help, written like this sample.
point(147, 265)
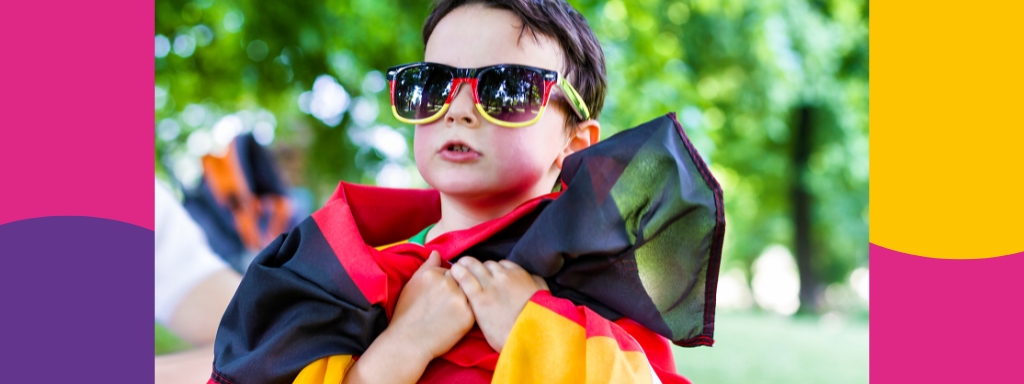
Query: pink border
point(77, 101)
point(945, 321)
point(77, 139)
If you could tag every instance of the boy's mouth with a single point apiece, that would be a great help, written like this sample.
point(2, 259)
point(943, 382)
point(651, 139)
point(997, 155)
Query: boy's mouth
point(457, 151)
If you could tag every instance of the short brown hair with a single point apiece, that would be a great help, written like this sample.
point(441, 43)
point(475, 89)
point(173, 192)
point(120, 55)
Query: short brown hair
point(584, 59)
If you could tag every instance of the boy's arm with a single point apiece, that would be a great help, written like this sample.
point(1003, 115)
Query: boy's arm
point(385, 361)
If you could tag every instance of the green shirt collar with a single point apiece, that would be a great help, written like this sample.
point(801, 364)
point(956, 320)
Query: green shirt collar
point(421, 238)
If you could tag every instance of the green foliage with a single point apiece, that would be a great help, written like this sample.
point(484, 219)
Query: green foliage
point(734, 71)
point(167, 342)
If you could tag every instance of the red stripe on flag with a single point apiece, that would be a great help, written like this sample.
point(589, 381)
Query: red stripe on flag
point(563, 307)
point(388, 215)
point(657, 348)
point(336, 223)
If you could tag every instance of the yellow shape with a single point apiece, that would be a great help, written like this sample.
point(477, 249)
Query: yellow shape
point(543, 347)
point(328, 370)
point(606, 363)
point(947, 131)
point(383, 247)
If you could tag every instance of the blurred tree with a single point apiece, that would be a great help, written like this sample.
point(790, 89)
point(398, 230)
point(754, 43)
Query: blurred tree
point(773, 93)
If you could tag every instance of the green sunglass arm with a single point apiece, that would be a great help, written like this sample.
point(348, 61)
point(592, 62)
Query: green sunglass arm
point(575, 100)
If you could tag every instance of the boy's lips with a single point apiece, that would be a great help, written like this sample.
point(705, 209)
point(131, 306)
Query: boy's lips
point(458, 152)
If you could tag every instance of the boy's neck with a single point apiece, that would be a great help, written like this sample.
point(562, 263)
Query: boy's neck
point(458, 213)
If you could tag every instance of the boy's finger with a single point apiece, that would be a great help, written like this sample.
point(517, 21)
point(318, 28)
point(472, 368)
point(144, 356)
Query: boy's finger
point(477, 269)
point(433, 261)
point(543, 285)
point(494, 267)
point(509, 265)
point(466, 280)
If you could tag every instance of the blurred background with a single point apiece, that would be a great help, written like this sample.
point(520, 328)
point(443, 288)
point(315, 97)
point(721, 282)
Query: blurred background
point(773, 93)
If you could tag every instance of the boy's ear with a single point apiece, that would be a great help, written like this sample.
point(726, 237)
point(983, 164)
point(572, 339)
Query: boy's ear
point(587, 133)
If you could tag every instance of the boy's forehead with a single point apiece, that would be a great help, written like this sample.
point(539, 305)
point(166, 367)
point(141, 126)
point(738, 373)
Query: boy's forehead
point(475, 36)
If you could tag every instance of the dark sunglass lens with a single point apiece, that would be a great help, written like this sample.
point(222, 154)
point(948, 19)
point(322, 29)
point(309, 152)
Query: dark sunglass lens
point(511, 94)
point(421, 91)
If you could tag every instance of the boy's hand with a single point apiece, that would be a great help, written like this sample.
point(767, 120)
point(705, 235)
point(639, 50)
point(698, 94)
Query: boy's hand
point(498, 292)
point(432, 313)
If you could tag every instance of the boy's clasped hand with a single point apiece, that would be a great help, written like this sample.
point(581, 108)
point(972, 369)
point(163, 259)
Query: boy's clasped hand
point(497, 293)
point(437, 307)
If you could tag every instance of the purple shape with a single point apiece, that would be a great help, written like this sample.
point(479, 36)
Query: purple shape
point(77, 299)
point(945, 321)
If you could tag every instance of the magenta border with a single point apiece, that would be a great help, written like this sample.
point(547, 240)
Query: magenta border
point(77, 104)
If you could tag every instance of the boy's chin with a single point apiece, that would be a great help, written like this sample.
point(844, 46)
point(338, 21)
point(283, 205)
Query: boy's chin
point(470, 190)
point(481, 187)
point(463, 188)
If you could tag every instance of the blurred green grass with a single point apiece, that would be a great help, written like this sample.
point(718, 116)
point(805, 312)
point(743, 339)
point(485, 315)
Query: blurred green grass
point(168, 342)
point(753, 347)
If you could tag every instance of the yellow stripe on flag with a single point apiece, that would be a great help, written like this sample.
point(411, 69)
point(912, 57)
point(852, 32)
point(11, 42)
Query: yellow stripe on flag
point(606, 363)
point(383, 247)
point(328, 370)
point(545, 347)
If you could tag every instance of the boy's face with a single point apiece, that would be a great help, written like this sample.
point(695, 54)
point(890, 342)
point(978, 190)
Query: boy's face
point(502, 163)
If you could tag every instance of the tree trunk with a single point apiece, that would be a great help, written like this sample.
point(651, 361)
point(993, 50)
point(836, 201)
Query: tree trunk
point(802, 202)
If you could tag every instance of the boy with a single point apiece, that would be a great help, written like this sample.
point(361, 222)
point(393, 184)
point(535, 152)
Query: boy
point(634, 237)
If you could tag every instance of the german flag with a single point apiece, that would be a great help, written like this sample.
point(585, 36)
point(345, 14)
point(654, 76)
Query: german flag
point(630, 249)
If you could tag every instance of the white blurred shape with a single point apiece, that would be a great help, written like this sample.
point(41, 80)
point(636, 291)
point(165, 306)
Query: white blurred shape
point(305, 98)
point(226, 129)
point(267, 116)
point(329, 100)
point(193, 115)
point(199, 143)
point(859, 282)
point(374, 82)
point(393, 175)
point(233, 21)
point(161, 97)
point(248, 120)
point(365, 111)
point(184, 45)
point(263, 132)
point(333, 120)
point(389, 142)
point(781, 44)
point(203, 35)
point(733, 291)
point(776, 281)
point(168, 129)
point(163, 46)
point(188, 170)
point(692, 117)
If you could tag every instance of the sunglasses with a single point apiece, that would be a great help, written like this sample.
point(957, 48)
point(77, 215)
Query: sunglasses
point(508, 95)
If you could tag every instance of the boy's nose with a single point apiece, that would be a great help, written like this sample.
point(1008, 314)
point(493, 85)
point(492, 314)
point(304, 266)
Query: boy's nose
point(462, 109)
